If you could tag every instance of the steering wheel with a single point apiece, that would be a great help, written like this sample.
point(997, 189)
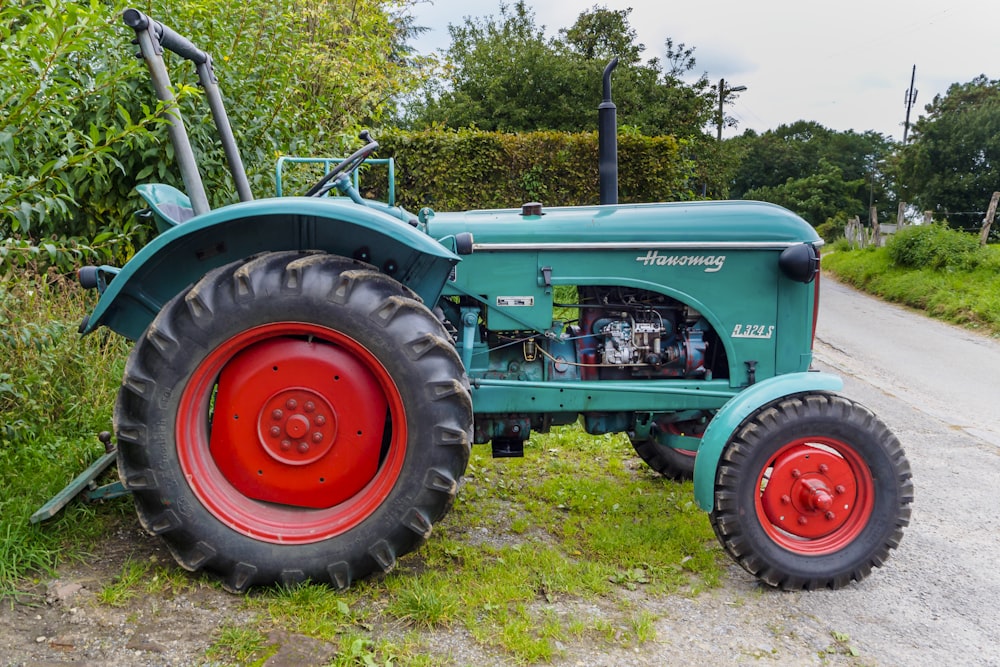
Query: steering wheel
point(355, 160)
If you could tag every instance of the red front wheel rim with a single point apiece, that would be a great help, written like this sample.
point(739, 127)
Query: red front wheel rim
point(291, 433)
point(815, 496)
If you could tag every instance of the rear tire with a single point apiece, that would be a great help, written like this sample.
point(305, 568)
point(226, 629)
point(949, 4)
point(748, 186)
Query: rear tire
point(812, 491)
point(294, 417)
point(671, 463)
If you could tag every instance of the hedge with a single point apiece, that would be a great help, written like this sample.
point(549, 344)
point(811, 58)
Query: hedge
point(466, 169)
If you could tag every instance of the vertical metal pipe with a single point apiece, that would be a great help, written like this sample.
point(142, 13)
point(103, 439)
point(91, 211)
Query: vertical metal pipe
point(184, 155)
point(206, 76)
point(607, 141)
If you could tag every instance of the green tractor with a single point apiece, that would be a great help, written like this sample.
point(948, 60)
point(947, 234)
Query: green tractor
point(310, 372)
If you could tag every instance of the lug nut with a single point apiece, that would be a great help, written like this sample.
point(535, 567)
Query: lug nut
point(317, 437)
point(277, 414)
point(785, 500)
point(286, 445)
point(830, 516)
point(823, 468)
point(291, 404)
point(796, 473)
point(303, 447)
point(275, 431)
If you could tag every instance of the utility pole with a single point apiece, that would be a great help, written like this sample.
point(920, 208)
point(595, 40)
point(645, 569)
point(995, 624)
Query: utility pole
point(723, 94)
point(909, 101)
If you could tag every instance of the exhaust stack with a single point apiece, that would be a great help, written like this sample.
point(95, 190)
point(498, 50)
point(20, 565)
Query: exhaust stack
point(607, 141)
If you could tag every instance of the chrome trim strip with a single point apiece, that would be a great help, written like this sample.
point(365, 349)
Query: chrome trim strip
point(675, 245)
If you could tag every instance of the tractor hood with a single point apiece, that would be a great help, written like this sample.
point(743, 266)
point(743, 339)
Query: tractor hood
point(709, 223)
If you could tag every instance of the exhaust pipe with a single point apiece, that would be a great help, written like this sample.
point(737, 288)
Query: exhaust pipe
point(607, 141)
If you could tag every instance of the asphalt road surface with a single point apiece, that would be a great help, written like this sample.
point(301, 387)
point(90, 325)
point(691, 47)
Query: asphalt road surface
point(937, 600)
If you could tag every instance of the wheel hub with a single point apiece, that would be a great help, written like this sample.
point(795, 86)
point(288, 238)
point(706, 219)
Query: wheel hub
point(298, 423)
point(297, 426)
point(810, 493)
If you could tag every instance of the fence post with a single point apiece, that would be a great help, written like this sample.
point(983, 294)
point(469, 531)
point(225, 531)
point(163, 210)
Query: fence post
point(855, 233)
point(876, 233)
point(988, 221)
point(900, 215)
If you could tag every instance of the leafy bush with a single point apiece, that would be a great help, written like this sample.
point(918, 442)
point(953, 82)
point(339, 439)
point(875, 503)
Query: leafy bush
point(64, 113)
point(934, 246)
point(77, 109)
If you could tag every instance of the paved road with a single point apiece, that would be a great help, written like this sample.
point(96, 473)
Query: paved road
point(937, 601)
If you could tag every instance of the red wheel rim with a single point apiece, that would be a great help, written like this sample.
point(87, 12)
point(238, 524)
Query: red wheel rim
point(815, 496)
point(315, 470)
point(677, 430)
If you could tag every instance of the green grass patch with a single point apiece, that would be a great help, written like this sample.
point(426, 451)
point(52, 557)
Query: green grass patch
point(531, 548)
point(239, 645)
point(964, 290)
point(56, 394)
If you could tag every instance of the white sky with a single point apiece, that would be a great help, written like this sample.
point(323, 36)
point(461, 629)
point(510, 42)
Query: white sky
point(844, 64)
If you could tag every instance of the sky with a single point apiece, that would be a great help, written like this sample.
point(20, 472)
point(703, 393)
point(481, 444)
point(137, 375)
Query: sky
point(846, 65)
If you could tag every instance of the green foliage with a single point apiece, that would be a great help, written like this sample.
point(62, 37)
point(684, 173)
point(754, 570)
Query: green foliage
point(952, 163)
point(65, 116)
point(56, 394)
point(237, 645)
point(965, 291)
point(504, 74)
point(463, 169)
point(934, 246)
point(80, 126)
point(817, 172)
point(817, 197)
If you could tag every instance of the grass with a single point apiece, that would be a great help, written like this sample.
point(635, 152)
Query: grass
point(570, 526)
point(578, 519)
point(56, 395)
point(531, 548)
point(968, 295)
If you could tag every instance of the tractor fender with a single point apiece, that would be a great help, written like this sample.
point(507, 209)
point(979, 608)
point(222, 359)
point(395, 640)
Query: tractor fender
point(188, 250)
point(736, 411)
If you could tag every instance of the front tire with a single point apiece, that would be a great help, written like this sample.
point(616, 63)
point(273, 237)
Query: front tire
point(812, 491)
point(294, 417)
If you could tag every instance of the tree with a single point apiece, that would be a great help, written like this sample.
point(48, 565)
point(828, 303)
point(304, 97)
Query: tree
point(505, 74)
point(819, 197)
point(796, 153)
point(603, 34)
point(952, 163)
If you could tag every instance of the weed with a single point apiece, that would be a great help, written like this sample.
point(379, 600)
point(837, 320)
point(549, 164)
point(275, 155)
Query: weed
point(426, 600)
point(309, 609)
point(56, 394)
point(643, 626)
point(842, 645)
point(359, 651)
point(238, 645)
point(127, 586)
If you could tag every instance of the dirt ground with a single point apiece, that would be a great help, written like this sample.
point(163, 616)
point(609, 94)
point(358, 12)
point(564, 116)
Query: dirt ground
point(61, 621)
point(934, 603)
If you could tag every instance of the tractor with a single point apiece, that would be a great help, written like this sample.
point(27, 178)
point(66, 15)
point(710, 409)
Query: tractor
point(310, 372)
